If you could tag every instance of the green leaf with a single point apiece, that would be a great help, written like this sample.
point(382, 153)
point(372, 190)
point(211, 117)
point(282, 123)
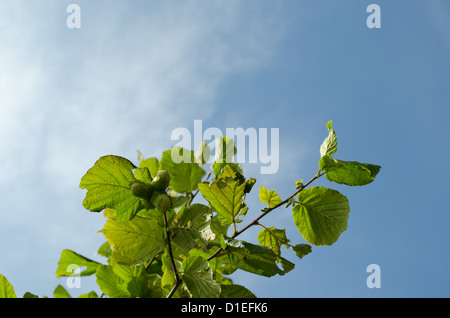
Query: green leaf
point(321, 215)
point(192, 225)
point(191, 214)
point(185, 175)
point(235, 291)
point(329, 145)
point(351, 173)
point(29, 295)
point(69, 258)
point(91, 294)
point(109, 283)
point(198, 278)
point(6, 289)
point(143, 174)
point(61, 292)
point(121, 281)
point(255, 259)
point(108, 183)
point(302, 250)
point(137, 240)
point(105, 250)
point(135, 280)
point(152, 164)
point(274, 238)
point(269, 196)
point(225, 195)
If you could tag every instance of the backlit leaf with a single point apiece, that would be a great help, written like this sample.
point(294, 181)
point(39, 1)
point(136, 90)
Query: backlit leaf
point(329, 145)
point(225, 195)
point(255, 259)
point(235, 291)
point(67, 261)
point(274, 238)
point(6, 289)
point(321, 215)
point(351, 173)
point(108, 183)
point(198, 278)
point(302, 250)
point(185, 175)
point(269, 196)
point(137, 240)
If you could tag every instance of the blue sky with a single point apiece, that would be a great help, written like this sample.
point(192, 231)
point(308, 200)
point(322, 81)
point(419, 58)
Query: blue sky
point(137, 70)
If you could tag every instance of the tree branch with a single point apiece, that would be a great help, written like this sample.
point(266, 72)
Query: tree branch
point(178, 281)
point(255, 221)
point(174, 267)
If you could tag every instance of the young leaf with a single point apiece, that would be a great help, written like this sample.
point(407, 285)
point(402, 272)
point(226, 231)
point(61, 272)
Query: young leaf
point(224, 196)
point(302, 250)
point(198, 278)
point(6, 289)
point(108, 183)
point(351, 173)
point(329, 145)
point(299, 184)
point(321, 215)
point(137, 240)
point(274, 238)
point(269, 196)
point(69, 258)
point(184, 176)
point(257, 259)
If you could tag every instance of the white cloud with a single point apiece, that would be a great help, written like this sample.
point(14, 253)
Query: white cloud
point(122, 82)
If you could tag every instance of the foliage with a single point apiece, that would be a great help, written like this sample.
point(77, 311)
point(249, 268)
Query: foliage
point(162, 243)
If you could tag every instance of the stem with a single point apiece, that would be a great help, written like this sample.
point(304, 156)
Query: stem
point(175, 287)
point(192, 198)
point(178, 281)
point(174, 268)
point(150, 262)
point(234, 228)
point(255, 221)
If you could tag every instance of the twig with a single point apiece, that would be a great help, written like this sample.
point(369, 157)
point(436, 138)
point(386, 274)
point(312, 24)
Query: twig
point(175, 287)
point(178, 281)
point(150, 262)
point(255, 221)
point(174, 267)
